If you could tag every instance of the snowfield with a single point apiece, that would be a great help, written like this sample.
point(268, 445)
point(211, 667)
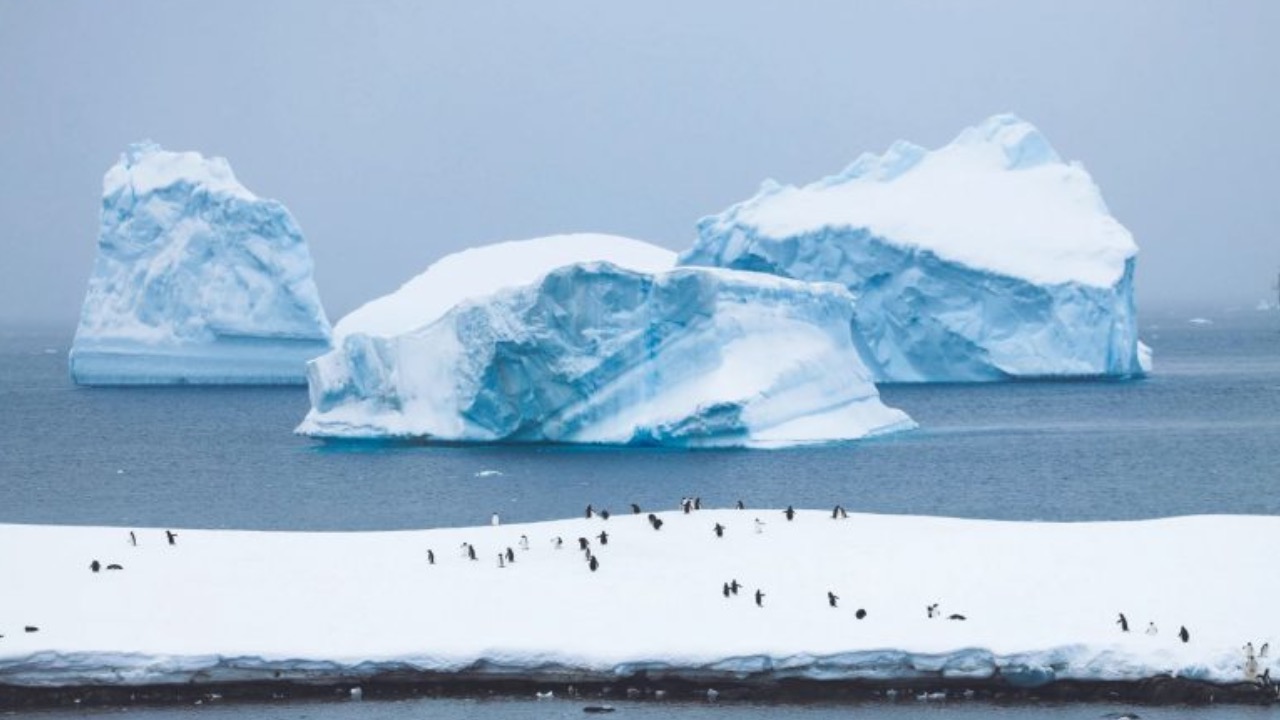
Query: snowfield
point(1040, 600)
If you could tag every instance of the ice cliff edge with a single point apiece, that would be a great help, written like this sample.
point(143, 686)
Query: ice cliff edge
point(595, 353)
point(196, 280)
point(990, 258)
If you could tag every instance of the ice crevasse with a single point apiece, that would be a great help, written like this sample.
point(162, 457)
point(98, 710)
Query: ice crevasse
point(594, 352)
point(196, 280)
point(990, 258)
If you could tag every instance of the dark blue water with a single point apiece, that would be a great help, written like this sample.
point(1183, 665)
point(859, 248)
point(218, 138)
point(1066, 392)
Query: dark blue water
point(1202, 435)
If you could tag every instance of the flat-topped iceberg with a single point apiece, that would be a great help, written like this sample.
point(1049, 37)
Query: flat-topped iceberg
point(595, 353)
point(480, 271)
point(197, 280)
point(987, 259)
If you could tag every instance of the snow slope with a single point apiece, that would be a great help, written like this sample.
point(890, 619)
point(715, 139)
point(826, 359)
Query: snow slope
point(196, 280)
point(1040, 599)
point(594, 353)
point(986, 259)
point(482, 271)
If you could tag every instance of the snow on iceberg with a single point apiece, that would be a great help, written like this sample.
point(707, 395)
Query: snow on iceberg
point(477, 272)
point(197, 280)
point(987, 259)
point(595, 353)
point(1041, 601)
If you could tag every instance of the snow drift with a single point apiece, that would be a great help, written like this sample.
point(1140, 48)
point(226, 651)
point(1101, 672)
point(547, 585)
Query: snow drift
point(196, 280)
point(1040, 600)
point(594, 353)
point(987, 259)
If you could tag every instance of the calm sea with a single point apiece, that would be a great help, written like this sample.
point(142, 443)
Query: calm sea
point(1202, 435)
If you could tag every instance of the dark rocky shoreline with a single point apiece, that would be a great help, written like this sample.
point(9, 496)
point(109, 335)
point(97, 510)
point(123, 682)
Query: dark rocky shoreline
point(1160, 690)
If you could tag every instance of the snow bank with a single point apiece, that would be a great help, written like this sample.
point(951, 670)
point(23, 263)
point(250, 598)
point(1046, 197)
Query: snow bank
point(1041, 599)
point(594, 353)
point(196, 280)
point(481, 271)
point(986, 259)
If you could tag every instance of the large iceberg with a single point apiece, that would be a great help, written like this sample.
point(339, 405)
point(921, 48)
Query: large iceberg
point(197, 280)
point(596, 353)
point(987, 259)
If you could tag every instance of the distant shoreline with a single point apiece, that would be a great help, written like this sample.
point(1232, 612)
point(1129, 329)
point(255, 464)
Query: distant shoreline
point(695, 686)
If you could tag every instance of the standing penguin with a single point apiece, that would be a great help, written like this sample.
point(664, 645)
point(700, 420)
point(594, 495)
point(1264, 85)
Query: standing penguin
point(95, 566)
point(759, 526)
point(133, 539)
point(524, 542)
point(500, 560)
point(719, 530)
point(635, 509)
point(790, 512)
point(431, 557)
point(590, 511)
point(1123, 622)
point(759, 598)
point(740, 506)
point(832, 598)
point(1151, 628)
point(511, 555)
point(583, 543)
point(734, 586)
point(697, 503)
point(593, 563)
point(1183, 634)
point(173, 537)
point(604, 514)
point(604, 537)
point(494, 519)
point(726, 589)
point(471, 551)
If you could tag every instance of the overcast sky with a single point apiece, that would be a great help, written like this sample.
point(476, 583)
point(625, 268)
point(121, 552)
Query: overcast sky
point(397, 132)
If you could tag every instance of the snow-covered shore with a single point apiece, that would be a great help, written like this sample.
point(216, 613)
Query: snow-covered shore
point(1040, 601)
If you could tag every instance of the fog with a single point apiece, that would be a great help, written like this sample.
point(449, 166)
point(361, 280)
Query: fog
point(397, 132)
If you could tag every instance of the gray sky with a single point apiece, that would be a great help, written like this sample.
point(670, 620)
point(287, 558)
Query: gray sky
point(397, 132)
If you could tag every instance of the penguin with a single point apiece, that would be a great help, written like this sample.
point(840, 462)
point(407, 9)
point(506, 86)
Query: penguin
point(30, 628)
point(1266, 646)
point(583, 543)
point(557, 542)
point(759, 599)
point(835, 512)
point(1151, 628)
point(431, 558)
point(1123, 622)
point(511, 555)
point(604, 514)
point(932, 610)
point(524, 542)
point(832, 598)
point(501, 559)
point(860, 614)
point(635, 509)
point(590, 511)
point(1183, 634)
point(471, 551)
point(114, 566)
point(726, 590)
point(494, 519)
point(956, 616)
point(604, 537)
point(740, 506)
point(697, 503)
point(133, 539)
point(759, 526)
point(843, 515)
point(172, 536)
point(790, 512)
point(719, 530)
point(734, 586)
point(593, 563)
point(95, 566)
point(686, 505)
point(657, 523)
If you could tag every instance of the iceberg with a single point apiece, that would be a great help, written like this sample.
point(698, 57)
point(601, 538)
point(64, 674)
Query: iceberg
point(596, 353)
point(988, 259)
point(196, 280)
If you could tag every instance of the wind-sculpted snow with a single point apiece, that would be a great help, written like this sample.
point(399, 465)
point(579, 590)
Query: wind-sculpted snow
point(987, 259)
point(593, 353)
point(196, 280)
